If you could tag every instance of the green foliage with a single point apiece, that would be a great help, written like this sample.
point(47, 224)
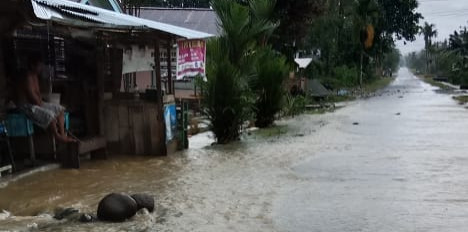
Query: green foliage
point(335, 37)
point(429, 32)
point(268, 86)
point(227, 98)
point(341, 77)
point(294, 105)
point(295, 17)
point(346, 76)
point(392, 60)
point(399, 18)
point(416, 61)
point(242, 74)
point(448, 59)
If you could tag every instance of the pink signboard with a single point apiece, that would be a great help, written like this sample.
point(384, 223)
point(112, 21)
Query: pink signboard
point(191, 58)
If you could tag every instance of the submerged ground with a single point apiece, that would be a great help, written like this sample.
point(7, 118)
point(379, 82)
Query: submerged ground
point(403, 167)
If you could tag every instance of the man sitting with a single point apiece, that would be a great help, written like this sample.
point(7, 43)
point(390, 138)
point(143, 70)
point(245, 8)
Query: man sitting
point(46, 115)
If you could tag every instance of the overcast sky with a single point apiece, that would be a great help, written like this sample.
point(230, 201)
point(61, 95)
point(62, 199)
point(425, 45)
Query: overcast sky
point(447, 15)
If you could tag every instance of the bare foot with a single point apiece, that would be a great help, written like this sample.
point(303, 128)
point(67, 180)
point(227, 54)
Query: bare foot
point(71, 140)
point(65, 139)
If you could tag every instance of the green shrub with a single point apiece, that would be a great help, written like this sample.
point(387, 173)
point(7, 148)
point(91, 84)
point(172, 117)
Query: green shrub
point(294, 105)
point(346, 76)
point(227, 98)
point(268, 86)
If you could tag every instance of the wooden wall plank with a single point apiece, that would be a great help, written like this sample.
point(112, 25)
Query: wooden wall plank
point(136, 115)
point(153, 130)
point(126, 141)
point(111, 115)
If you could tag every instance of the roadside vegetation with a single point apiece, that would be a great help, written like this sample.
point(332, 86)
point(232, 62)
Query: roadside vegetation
point(461, 99)
point(351, 43)
point(442, 61)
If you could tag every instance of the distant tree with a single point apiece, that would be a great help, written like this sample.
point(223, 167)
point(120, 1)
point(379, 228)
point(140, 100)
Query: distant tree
point(429, 32)
point(392, 60)
point(399, 18)
point(365, 17)
point(458, 47)
point(336, 36)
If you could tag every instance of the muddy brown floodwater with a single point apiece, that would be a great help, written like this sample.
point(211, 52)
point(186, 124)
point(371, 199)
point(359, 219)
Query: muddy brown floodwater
point(404, 167)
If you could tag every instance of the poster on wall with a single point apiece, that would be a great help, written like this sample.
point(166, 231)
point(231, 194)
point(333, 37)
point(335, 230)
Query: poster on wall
point(170, 117)
point(137, 59)
point(191, 58)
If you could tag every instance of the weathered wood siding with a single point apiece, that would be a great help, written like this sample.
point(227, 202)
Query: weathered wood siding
point(131, 127)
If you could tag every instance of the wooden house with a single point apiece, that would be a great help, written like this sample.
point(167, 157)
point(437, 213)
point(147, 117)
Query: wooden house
point(83, 47)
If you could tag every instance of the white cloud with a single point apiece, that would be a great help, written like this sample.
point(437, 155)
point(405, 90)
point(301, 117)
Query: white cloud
point(447, 15)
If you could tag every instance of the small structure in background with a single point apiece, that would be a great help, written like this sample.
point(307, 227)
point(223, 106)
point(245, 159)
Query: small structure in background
point(199, 19)
point(112, 5)
point(316, 90)
point(298, 85)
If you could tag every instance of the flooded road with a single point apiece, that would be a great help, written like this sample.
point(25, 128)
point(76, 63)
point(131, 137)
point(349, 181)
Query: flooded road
point(403, 167)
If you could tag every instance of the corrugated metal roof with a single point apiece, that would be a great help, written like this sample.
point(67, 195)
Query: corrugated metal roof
point(316, 89)
point(72, 13)
point(204, 20)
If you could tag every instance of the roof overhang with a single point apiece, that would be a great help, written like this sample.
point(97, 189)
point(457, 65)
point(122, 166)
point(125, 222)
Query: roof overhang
point(73, 14)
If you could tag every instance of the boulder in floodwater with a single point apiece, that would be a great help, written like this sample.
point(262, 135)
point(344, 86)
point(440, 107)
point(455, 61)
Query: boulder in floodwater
point(116, 207)
point(144, 201)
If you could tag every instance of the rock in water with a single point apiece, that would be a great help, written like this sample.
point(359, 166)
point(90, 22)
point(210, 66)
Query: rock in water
point(62, 213)
point(86, 218)
point(116, 207)
point(144, 201)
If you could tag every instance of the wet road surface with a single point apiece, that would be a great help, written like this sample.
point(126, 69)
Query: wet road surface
point(404, 167)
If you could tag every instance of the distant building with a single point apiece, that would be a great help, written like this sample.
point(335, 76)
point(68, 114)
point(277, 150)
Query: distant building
point(112, 5)
point(204, 20)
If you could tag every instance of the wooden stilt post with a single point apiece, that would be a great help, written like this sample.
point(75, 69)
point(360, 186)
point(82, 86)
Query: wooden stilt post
point(169, 68)
point(160, 117)
point(101, 68)
point(2, 75)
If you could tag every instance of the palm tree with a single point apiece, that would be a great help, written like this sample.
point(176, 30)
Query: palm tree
point(429, 32)
point(458, 48)
point(272, 70)
point(231, 65)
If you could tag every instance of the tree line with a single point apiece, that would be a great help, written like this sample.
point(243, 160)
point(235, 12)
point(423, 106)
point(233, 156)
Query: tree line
point(338, 38)
point(446, 59)
point(352, 42)
point(247, 65)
